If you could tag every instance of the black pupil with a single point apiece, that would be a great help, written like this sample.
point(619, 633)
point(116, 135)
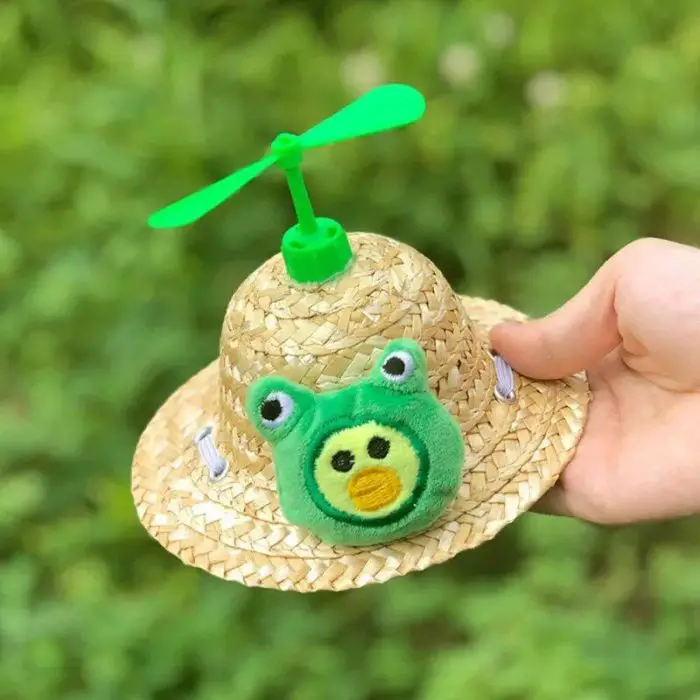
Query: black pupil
point(271, 409)
point(395, 366)
point(378, 448)
point(343, 461)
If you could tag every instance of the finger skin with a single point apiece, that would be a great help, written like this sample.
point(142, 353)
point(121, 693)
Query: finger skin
point(554, 502)
point(570, 339)
point(644, 299)
point(635, 327)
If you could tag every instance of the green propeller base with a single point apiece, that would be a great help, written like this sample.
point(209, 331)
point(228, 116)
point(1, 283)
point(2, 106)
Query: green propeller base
point(318, 257)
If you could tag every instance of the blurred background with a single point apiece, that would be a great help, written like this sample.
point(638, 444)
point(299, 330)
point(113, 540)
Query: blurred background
point(556, 133)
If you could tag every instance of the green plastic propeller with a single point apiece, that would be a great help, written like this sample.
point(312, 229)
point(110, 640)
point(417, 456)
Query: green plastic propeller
point(386, 107)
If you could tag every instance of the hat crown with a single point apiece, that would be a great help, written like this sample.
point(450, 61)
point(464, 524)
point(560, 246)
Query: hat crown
point(327, 336)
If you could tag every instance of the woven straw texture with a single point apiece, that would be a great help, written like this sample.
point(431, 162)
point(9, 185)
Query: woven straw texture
point(324, 338)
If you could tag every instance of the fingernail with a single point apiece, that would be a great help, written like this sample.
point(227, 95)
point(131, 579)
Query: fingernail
point(509, 323)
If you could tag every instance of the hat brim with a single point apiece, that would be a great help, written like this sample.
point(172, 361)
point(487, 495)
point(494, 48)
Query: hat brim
point(513, 458)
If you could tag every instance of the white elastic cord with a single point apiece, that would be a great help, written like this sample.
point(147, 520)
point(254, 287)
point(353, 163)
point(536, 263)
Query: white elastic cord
point(215, 463)
point(505, 380)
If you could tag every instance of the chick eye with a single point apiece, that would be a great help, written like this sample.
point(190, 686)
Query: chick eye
point(275, 409)
point(398, 366)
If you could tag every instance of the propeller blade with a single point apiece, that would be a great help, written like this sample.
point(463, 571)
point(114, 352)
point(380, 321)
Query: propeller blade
point(385, 107)
point(199, 203)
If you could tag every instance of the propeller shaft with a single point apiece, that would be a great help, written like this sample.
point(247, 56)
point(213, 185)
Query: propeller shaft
point(288, 150)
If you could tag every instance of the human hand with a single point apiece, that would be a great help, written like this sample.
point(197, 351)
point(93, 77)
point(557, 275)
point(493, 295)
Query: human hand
point(635, 328)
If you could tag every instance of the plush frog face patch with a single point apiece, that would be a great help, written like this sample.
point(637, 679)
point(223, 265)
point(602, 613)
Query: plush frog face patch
point(366, 464)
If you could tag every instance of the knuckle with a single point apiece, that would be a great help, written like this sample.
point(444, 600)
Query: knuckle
point(642, 249)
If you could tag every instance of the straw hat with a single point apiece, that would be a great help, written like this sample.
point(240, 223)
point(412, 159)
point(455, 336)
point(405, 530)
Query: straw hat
point(205, 479)
point(325, 338)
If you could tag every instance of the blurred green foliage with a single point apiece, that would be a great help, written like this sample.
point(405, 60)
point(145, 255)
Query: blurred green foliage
point(556, 133)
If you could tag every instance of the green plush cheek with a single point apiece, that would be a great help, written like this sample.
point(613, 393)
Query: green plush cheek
point(370, 473)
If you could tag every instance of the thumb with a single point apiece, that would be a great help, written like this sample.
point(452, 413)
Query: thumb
point(573, 338)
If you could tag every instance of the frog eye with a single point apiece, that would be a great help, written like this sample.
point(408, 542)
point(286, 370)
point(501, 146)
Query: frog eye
point(398, 366)
point(275, 409)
